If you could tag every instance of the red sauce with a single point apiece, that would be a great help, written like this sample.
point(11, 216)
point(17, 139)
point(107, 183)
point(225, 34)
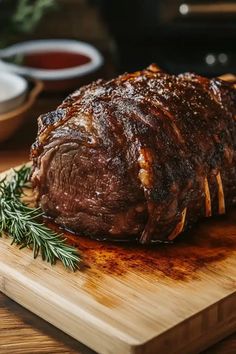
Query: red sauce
point(55, 60)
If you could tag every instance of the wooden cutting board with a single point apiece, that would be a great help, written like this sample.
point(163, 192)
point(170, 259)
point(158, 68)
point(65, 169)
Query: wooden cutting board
point(178, 298)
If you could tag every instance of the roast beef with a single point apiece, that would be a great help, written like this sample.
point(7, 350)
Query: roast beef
point(140, 157)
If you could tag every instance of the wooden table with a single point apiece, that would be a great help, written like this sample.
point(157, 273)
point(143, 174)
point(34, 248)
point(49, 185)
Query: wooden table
point(21, 332)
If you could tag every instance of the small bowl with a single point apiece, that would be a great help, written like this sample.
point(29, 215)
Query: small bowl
point(54, 76)
point(13, 89)
point(11, 121)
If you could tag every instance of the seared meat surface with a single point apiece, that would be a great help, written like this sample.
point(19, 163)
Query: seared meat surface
point(142, 156)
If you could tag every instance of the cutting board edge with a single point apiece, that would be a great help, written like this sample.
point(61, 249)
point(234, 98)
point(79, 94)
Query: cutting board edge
point(216, 332)
point(15, 289)
point(9, 285)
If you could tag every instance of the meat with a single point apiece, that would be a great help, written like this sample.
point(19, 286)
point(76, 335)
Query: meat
point(140, 157)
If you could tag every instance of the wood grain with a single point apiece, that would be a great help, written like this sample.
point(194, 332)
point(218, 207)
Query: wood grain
point(21, 332)
point(180, 298)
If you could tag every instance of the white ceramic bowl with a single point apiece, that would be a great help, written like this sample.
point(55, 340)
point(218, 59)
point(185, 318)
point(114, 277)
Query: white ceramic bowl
point(13, 89)
point(11, 121)
point(50, 45)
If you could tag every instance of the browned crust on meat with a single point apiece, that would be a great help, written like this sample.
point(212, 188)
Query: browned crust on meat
point(176, 136)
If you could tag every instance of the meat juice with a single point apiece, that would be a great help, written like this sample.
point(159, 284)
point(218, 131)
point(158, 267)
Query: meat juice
point(209, 241)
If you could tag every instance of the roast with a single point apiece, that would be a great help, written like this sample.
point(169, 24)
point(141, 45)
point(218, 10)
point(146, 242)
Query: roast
point(140, 157)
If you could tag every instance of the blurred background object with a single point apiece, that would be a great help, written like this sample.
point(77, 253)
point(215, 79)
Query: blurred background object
point(56, 19)
point(11, 120)
point(56, 42)
point(59, 64)
point(13, 91)
point(32, 20)
point(179, 35)
point(20, 17)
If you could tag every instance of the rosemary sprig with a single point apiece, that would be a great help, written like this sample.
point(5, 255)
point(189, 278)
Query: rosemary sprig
point(21, 222)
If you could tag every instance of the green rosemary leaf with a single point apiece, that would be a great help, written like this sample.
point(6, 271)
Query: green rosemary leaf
point(19, 221)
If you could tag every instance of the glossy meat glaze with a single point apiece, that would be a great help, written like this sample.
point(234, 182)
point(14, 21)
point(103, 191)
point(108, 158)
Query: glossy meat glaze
point(142, 156)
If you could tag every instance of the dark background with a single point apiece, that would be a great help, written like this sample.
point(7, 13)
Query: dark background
point(204, 40)
point(133, 33)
